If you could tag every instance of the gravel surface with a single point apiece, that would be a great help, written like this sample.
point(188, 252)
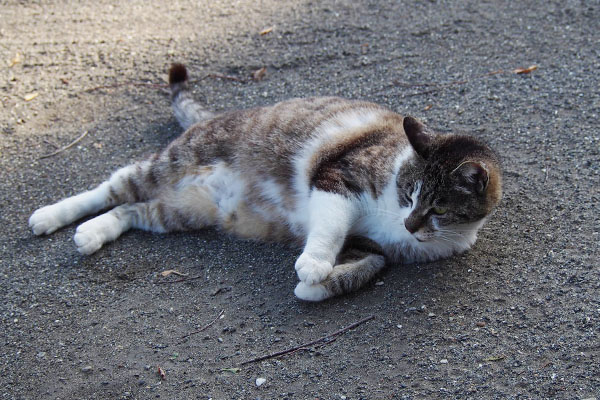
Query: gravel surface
point(516, 317)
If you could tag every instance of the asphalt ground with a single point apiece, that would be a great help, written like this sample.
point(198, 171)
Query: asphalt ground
point(518, 316)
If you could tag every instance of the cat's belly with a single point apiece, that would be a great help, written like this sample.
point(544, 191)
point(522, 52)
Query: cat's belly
point(229, 196)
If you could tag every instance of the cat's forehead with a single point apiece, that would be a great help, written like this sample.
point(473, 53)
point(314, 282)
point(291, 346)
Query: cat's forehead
point(451, 150)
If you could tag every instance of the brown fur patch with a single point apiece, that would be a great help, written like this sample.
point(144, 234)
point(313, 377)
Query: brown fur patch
point(360, 160)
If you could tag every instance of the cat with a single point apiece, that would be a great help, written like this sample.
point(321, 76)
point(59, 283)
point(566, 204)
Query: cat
point(358, 185)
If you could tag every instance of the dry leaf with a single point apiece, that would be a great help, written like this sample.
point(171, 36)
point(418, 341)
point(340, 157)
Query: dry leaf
point(16, 59)
point(30, 96)
point(525, 70)
point(428, 107)
point(161, 373)
point(259, 74)
point(265, 31)
point(172, 271)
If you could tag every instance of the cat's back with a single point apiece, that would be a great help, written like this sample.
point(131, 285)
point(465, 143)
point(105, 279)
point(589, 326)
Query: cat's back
point(297, 139)
point(274, 139)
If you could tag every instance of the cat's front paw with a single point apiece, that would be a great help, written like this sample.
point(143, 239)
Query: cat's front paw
point(46, 220)
point(316, 292)
point(311, 270)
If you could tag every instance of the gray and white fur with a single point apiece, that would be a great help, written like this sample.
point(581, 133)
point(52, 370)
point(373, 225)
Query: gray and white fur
point(355, 184)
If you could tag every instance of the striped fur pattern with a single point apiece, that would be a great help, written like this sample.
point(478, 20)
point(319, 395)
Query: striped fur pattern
point(357, 185)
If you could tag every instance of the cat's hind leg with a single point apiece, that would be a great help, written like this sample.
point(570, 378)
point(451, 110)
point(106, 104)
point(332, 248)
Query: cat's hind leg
point(188, 208)
point(125, 185)
point(92, 234)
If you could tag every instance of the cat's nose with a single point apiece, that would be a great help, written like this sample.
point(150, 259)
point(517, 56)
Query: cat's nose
point(411, 227)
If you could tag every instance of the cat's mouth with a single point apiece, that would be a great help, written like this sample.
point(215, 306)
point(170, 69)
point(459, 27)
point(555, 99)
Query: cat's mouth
point(422, 236)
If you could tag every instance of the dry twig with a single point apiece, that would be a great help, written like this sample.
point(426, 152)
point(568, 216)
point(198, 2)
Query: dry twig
point(179, 280)
point(220, 76)
point(163, 85)
point(324, 340)
point(117, 85)
point(205, 327)
point(73, 143)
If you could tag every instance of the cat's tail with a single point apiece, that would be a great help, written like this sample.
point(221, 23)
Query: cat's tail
point(187, 110)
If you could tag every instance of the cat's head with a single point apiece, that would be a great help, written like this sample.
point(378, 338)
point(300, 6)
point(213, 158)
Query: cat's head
point(461, 183)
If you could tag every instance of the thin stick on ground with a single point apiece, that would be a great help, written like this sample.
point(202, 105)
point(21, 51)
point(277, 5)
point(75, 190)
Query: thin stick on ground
point(205, 327)
point(163, 85)
point(221, 76)
point(324, 340)
point(117, 85)
point(193, 278)
point(73, 143)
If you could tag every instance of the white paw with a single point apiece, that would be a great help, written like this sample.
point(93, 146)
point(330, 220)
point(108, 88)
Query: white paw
point(91, 235)
point(46, 220)
point(87, 242)
point(311, 270)
point(311, 292)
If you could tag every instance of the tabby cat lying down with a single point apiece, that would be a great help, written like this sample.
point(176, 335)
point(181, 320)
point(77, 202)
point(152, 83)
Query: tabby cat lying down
point(357, 184)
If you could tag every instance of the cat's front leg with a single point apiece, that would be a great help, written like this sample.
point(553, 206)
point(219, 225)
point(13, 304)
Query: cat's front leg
point(357, 264)
point(331, 216)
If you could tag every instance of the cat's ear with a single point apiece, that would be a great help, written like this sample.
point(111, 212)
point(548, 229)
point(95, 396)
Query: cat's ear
point(472, 176)
point(418, 135)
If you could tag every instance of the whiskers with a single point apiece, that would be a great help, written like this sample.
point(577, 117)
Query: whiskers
point(447, 239)
point(456, 237)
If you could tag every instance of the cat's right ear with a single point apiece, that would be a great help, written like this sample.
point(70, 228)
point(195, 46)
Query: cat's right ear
point(418, 135)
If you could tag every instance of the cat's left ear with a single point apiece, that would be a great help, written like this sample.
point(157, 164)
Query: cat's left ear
point(418, 135)
point(472, 176)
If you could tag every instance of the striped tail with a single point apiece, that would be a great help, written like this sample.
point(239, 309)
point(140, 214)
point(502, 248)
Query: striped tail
point(186, 109)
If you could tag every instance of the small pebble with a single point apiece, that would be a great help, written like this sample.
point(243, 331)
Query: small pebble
point(480, 324)
point(260, 381)
point(443, 361)
point(87, 369)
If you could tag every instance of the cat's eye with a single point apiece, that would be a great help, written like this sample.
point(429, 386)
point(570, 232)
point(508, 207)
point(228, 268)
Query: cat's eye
point(440, 210)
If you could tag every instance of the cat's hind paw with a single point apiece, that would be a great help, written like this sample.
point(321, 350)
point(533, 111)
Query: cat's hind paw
point(87, 242)
point(311, 270)
point(45, 220)
point(91, 235)
point(312, 292)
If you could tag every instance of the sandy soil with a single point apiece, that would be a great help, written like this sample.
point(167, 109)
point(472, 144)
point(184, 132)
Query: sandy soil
point(516, 317)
